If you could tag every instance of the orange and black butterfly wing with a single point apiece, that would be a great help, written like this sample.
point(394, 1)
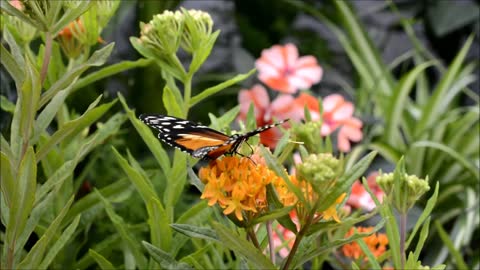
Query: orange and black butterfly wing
point(195, 139)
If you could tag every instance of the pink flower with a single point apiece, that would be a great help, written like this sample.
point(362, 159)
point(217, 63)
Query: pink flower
point(281, 69)
point(338, 114)
point(17, 4)
point(359, 198)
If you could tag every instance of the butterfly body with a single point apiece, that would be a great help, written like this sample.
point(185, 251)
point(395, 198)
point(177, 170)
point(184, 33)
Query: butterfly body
point(198, 140)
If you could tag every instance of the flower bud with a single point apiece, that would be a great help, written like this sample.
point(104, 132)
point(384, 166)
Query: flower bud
point(320, 170)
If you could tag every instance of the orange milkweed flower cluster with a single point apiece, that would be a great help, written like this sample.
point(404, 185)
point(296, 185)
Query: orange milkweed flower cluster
point(377, 243)
point(237, 184)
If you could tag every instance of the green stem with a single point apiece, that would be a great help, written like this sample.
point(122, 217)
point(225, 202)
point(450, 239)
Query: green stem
point(253, 237)
point(270, 241)
point(187, 93)
point(403, 233)
point(46, 57)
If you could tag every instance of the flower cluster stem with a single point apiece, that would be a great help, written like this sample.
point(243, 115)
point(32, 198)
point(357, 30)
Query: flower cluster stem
point(253, 237)
point(270, 241)
point(403, 232)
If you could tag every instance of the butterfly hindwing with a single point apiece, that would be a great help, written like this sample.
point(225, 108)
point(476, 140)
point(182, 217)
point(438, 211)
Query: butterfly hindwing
point(197, 140)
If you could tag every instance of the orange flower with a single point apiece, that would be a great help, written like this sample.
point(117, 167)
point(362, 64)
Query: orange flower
point(377, 244)
point(281, 68)
point(359, 198)
point(237, 185)
point(338, 114)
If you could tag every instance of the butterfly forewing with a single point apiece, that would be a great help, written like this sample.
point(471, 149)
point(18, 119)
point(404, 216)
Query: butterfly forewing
point(198, 140)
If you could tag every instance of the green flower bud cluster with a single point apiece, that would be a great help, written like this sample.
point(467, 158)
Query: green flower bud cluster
point(410, 189)
point(320, 170)
point(163, 33)
point(309, 134)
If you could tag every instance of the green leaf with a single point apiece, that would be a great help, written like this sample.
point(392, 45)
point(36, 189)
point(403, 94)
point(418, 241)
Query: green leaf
point(176, 179)
point(457, 256)
point(225, 120)
point(109, 71)
point(422, 238)
point(48, 113)
point(424, 216)
point(72, 128)
point(203, 51)
point(171, 103)
point(11, 65)
point(163, 258)
point(106, 247)
point(219, 87)
point(36, 254)
point(196, 231)
point(25, 111)
point(54, 249)
point(6, 105)
point(9, 9)
point(195, 213)
point(69, 15)
point(98, 58)
point(273, 214)
point(128, 239)
point(57, 178)
point(435, 104)
point(370, 257)
point(21, 198)
point(233, 241)
point(158, 220)
point(152, 142)
point(398, 102)
point(101, 261)
point(7, 182)
point(143, 186)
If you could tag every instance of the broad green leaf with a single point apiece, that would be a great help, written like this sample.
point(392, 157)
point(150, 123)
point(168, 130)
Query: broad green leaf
point(101, 261)
point(152, 142)
point(36, 254)
point(109, 71)
point(143, 186)
point(196, 231)
point(72, 128)
point(54, 249)
point(98, 58)
point(241, 246)
point(128, 238)
point(160, 231)
point(171, 104)
point(219, 87)
point(163, 258)
point(22, 197)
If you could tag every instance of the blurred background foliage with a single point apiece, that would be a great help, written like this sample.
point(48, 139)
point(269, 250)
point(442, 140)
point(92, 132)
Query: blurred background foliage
point(247, 27)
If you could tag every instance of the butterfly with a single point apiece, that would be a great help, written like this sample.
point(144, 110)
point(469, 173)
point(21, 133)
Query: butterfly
point(198, 140)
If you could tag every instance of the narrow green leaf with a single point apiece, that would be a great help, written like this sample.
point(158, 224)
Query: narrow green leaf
point(22, 199)
point(48, 113)
point(101, 261)
point(70, 15)
point(109, 71)
point(9, 9)
point(393, 234)
point(196, 231)
point(143, 186)
point(8, 61)
point(7, 182)
point(36, 254)
point(431, 111)
point(233, 241)
point(219, 87)
point(176, 179)
point(457, 256)
point(152, 142)
point(398, 102)
point(163, 258)
point(424, 216)
point(422, 238)
point(98, 58)
point(6, 105)
point(195, 213)
point(160, 231)
point(371, 258)
point(171, 104)
point(130, 242)
point(273, 214)
point(57, 178)
point(54, 249)
point(72, 128)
